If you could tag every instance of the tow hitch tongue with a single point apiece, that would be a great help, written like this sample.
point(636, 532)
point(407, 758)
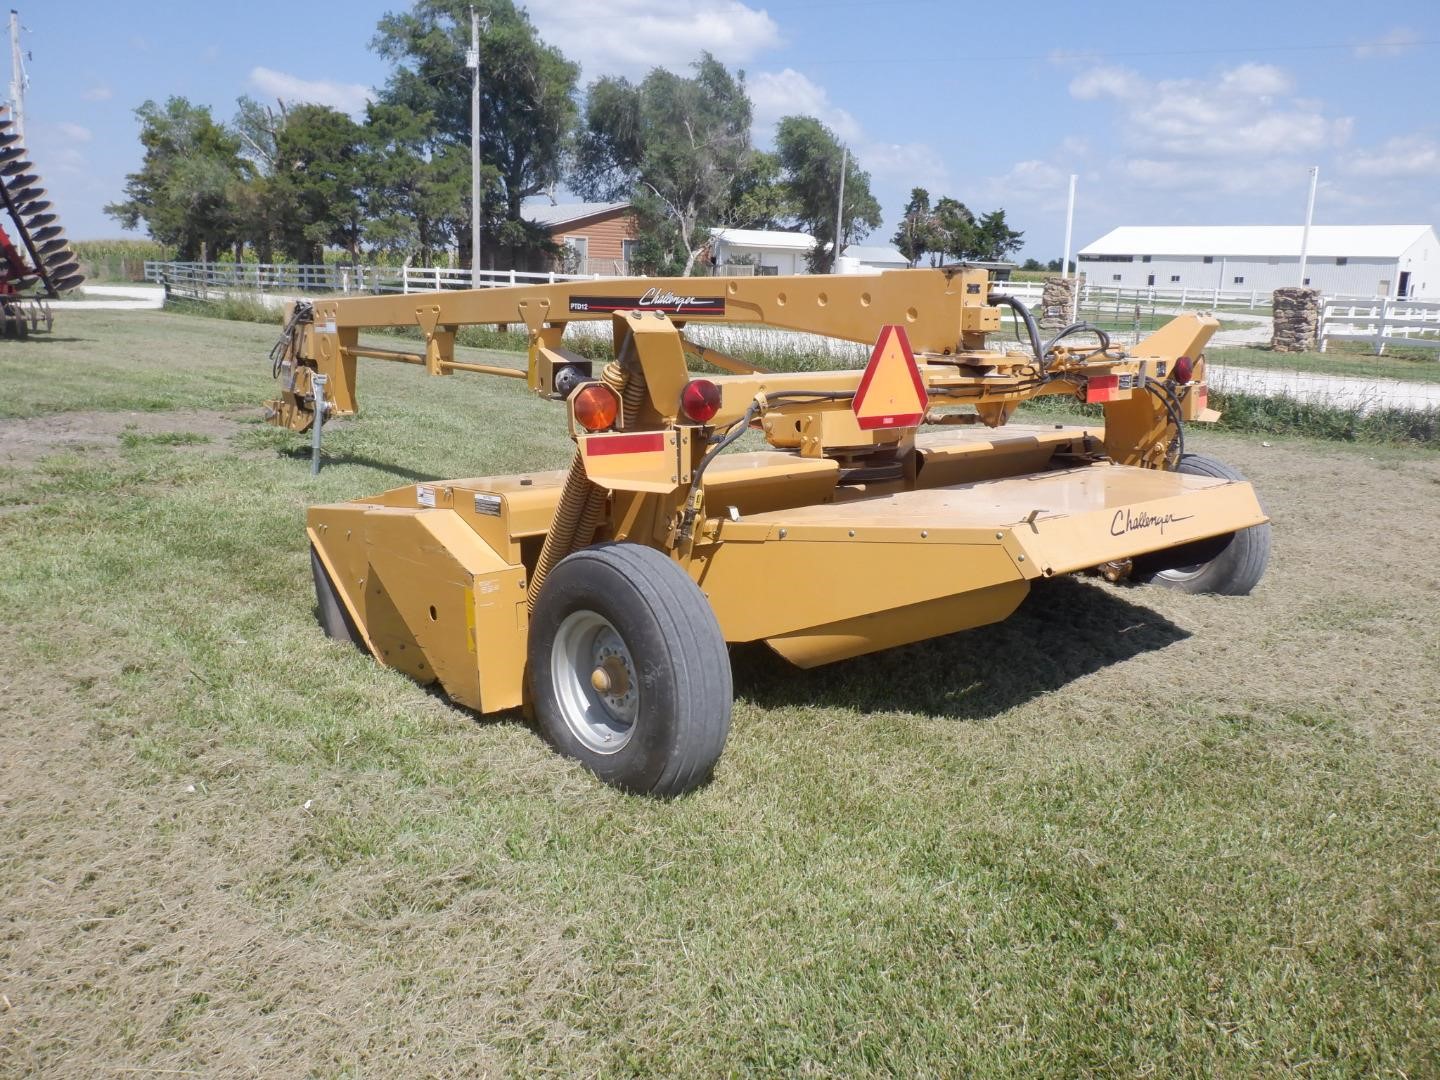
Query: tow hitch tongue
point(885, 505)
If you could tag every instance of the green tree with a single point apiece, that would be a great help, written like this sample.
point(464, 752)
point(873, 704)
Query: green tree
point(679, 149)
point(412, 195)
point(527, 107)
point(810, 159)
point(919, 228)
point(185, 188)
point(994, 239)
point(254, 200)
point(955, 229)
point(316, 186)
point(758, 197)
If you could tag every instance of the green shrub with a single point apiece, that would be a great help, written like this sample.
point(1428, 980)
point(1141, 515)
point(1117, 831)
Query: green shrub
point(237, 307)
point(1281, 415)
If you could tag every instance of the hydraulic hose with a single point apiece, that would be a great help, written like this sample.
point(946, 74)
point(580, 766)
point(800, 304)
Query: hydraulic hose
point(560, 540)
point(1078, 328)
point(1030, 325)
point(734, 431)
point(288, 345)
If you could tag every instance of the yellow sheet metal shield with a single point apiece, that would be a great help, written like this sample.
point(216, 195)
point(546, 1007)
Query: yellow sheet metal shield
point(891, 393)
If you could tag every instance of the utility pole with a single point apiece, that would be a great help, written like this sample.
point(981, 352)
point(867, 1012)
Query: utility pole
point(17, 77)
point(1069, 229)
point(472, 61)
point(1309, 216)
point(840, 210)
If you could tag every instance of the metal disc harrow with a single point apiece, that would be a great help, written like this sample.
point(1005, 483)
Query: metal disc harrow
point(36, 260)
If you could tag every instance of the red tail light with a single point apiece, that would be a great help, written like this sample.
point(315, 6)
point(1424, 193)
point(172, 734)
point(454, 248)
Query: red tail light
point(1183, 370)
point(596, 406)
point(700, 400)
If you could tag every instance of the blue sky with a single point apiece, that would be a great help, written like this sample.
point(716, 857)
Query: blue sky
point(1169, 114)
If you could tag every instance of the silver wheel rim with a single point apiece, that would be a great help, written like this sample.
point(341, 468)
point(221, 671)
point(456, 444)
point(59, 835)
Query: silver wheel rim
point(1182, 573)
point(594, 681)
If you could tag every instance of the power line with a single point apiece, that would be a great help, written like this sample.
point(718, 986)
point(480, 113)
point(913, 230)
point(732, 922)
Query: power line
point(1087, 54)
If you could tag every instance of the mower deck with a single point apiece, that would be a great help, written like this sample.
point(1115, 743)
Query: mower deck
point(871, 573)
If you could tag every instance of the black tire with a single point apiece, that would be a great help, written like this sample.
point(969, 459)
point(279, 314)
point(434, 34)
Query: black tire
point(1229, 565)
point(670, 733)
point(329, 607)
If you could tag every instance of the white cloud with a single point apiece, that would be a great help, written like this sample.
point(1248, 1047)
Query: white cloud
point(1034, 187)
point(291, 89)
point(74, 132)
point(774, 94)
point(1401, 156)
point(629, 37)
point(1207, 180)
point(99, 92)
point(1242, 113)
point(1397, 41)
point(1254, 80)
point(894, 167)
point(904, 166)
point(1036, 176)
point(1106, 82)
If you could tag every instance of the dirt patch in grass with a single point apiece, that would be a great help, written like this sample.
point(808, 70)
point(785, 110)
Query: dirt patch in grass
point(26, 441)
point(130, 935)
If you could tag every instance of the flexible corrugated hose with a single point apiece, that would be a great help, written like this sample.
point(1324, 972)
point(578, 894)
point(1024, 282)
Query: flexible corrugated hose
point(582, 503)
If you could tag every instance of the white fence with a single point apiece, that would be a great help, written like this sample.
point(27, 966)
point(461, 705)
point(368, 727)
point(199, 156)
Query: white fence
point(199, 279)
point(433, 278)
point(196, 277)
point(1100, 295)
point(1105, 296)
point(1412, 323)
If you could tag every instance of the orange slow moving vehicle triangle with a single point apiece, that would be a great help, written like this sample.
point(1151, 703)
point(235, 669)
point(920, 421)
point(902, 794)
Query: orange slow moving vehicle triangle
point(891, 393)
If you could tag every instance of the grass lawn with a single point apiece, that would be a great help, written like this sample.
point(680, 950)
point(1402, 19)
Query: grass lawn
point(1127, 831)
point(1414, 366)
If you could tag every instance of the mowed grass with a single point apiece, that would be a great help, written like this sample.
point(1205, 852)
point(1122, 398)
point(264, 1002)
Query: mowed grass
point(1415, 365)
point(1127, 831)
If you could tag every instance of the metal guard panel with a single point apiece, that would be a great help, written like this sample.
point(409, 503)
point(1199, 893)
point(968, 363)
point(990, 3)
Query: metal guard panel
point(1118, 512)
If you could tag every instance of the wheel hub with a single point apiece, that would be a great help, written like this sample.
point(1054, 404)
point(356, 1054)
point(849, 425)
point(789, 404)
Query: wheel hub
point(594, 680)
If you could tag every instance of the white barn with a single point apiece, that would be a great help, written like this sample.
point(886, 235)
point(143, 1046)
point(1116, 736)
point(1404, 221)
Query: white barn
point(1342, 260)
point(772, 251)
point(769, 250)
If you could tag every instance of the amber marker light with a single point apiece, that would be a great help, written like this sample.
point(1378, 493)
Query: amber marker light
point(595, 406)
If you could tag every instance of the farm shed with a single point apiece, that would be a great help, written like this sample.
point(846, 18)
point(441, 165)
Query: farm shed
point(773, 251)
point(770, 251)
point(599, 236)
point(1343, 260)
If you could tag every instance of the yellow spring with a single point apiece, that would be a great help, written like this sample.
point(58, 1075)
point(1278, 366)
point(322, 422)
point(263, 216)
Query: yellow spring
point(582, 504)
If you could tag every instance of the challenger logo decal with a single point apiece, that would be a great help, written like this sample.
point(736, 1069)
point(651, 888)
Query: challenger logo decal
point(1126, 521)
point(652, 300)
